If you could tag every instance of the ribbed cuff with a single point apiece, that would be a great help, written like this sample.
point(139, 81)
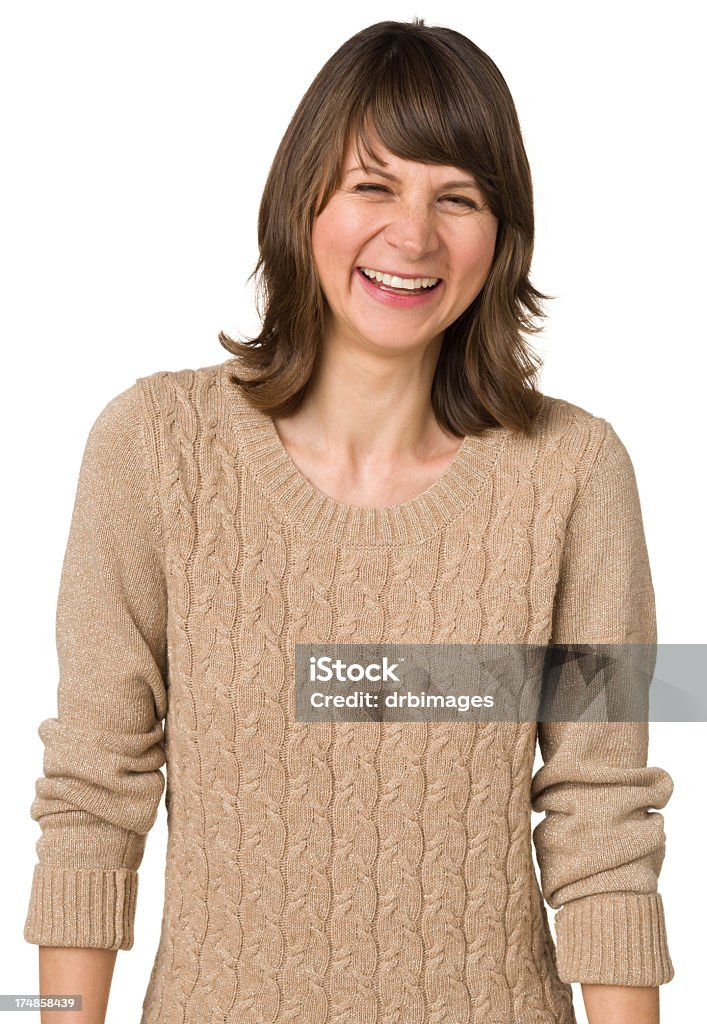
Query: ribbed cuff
point(613, 939)
point(88, 908)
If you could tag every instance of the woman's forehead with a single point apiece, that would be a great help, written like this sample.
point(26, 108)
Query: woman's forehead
point(356, 156)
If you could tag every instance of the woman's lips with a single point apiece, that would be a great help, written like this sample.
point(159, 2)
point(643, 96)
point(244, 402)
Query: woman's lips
point(402, 298)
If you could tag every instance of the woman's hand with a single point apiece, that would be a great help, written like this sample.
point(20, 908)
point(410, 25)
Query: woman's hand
point(73, 971)
point(621, 1004)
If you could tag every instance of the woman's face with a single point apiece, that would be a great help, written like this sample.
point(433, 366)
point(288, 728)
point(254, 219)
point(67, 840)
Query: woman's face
point(416, 221)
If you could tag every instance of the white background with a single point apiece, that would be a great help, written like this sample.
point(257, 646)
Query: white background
point(136, 140)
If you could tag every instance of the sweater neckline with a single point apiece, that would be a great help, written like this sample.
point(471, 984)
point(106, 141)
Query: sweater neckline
point(298, 502)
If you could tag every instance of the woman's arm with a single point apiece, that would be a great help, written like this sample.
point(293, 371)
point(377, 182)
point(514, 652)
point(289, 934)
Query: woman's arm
point(104, 750)
point(621, 1004)
point(73, 971)
point(601, 844)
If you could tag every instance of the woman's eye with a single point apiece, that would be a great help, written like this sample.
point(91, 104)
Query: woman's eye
point(461, 201)
point(454, 200)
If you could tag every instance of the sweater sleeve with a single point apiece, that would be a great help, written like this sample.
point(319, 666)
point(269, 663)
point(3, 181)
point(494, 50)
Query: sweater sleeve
point(102, 782)
point(600, 846)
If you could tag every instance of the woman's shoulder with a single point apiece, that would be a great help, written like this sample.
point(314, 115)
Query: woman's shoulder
point(571, 426)
point(560, 413)
point(581, 438)
point(186, 379)
point(182, 394)
point(177, 396)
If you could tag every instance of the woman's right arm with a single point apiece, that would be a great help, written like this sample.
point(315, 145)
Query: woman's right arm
point(104, 750)
point(72, 971)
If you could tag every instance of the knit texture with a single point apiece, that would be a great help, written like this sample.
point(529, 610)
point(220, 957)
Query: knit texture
point(342, 872)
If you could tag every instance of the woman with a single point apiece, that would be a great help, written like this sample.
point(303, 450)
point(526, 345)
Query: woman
point(377, 466)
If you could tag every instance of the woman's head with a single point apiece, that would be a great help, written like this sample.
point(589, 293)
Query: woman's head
point(428, 95)
point(401, 249)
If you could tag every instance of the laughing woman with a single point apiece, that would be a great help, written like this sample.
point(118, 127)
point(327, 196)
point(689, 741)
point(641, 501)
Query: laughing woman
point(377, 466)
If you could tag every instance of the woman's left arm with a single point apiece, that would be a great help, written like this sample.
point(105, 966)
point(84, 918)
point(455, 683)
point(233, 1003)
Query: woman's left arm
point(600, 846)
point(619, 1004)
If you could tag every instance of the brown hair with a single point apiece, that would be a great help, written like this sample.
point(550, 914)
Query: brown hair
point(434, 97)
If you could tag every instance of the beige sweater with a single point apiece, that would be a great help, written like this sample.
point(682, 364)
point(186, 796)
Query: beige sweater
point(370, 872)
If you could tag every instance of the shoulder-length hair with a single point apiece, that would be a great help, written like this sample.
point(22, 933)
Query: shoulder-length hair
point(432, 96)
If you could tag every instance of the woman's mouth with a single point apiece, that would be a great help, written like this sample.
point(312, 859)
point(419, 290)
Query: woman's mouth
point(399, 296)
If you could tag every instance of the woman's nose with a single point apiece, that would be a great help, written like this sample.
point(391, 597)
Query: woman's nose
point(412, 230)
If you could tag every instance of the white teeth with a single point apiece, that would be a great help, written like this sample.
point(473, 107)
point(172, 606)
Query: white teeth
point(409, 283)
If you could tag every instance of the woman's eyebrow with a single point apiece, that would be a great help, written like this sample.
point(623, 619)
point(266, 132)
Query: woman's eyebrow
point(376, 169)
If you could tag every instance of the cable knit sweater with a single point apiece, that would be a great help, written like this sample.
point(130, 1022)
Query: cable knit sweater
point(326, 872)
